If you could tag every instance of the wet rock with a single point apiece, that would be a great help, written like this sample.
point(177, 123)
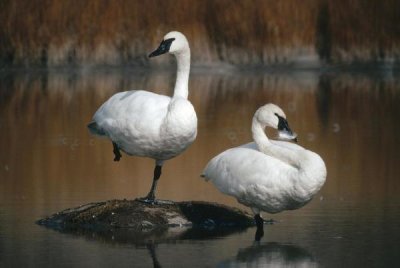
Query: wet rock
point(137, 216)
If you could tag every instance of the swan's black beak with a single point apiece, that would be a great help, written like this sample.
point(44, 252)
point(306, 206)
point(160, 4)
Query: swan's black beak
point(162, 48)
point(284, 130)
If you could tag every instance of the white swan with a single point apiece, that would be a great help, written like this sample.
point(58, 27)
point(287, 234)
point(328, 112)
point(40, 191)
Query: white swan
point(268, 175)
point(143, 123)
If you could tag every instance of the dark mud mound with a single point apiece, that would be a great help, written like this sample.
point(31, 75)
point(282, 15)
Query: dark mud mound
point(132, 220)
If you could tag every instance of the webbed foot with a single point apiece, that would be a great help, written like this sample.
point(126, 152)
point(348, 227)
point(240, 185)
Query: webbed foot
point(117, 153)
point(117, 158)
point(147, 200)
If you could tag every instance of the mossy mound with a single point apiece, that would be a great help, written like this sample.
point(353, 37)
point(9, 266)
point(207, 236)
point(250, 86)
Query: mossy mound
point(138, 216)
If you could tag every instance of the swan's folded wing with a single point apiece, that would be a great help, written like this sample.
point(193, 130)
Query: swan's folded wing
point(235, 169)
point(131, 111)
point(288, 145)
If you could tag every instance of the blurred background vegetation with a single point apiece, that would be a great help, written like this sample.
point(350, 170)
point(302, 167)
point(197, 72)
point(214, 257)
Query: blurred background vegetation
point(88, 33)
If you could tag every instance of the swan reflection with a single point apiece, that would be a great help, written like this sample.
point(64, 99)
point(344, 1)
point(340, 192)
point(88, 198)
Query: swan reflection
point(271, 254)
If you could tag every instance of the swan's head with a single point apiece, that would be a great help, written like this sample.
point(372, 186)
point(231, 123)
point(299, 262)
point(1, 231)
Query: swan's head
point(173, 42)
point(271, 115)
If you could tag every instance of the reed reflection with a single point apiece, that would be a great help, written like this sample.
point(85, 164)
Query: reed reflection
point(43, 119)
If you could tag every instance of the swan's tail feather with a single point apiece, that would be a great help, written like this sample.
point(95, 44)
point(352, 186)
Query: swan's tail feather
point(204, 177)
point(95, 129)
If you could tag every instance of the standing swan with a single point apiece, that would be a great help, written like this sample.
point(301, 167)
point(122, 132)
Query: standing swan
point(143, 123)
point(268, 175)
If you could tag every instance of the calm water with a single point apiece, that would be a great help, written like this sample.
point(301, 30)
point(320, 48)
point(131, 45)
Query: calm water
point(49, 162)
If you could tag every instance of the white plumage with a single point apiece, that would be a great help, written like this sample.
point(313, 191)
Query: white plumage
point(146, 124)
point(268, 175)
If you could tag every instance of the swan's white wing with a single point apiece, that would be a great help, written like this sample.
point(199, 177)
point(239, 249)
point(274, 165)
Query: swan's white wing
point(132, 117)
point(250, 145)
point(254, 178)
point(288, 145)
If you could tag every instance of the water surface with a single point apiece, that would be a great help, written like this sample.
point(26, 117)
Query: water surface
point(49, 162)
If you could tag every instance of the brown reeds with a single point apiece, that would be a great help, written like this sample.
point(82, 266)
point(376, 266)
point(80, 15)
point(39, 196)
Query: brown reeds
point(51, 33)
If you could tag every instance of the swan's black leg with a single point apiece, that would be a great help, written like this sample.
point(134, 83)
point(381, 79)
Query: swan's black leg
point(116, 151)
point(260, 227)
point(151, 197)
point(152, 250)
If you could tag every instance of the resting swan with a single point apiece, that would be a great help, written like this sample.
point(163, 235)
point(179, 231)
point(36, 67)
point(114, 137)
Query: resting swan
point(146, 124)
point(268, 175)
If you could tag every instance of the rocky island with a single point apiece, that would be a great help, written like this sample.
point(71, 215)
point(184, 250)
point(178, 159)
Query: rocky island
point(137, 222)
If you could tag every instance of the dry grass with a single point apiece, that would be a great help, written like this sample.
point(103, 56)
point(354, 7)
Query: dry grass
point(260, 32)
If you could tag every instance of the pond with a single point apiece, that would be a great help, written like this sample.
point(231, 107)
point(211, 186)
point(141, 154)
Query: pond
point(49, 162)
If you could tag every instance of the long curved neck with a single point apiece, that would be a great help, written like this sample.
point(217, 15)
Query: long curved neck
point(264, 145)
point(182, 75)
point(259, 136)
